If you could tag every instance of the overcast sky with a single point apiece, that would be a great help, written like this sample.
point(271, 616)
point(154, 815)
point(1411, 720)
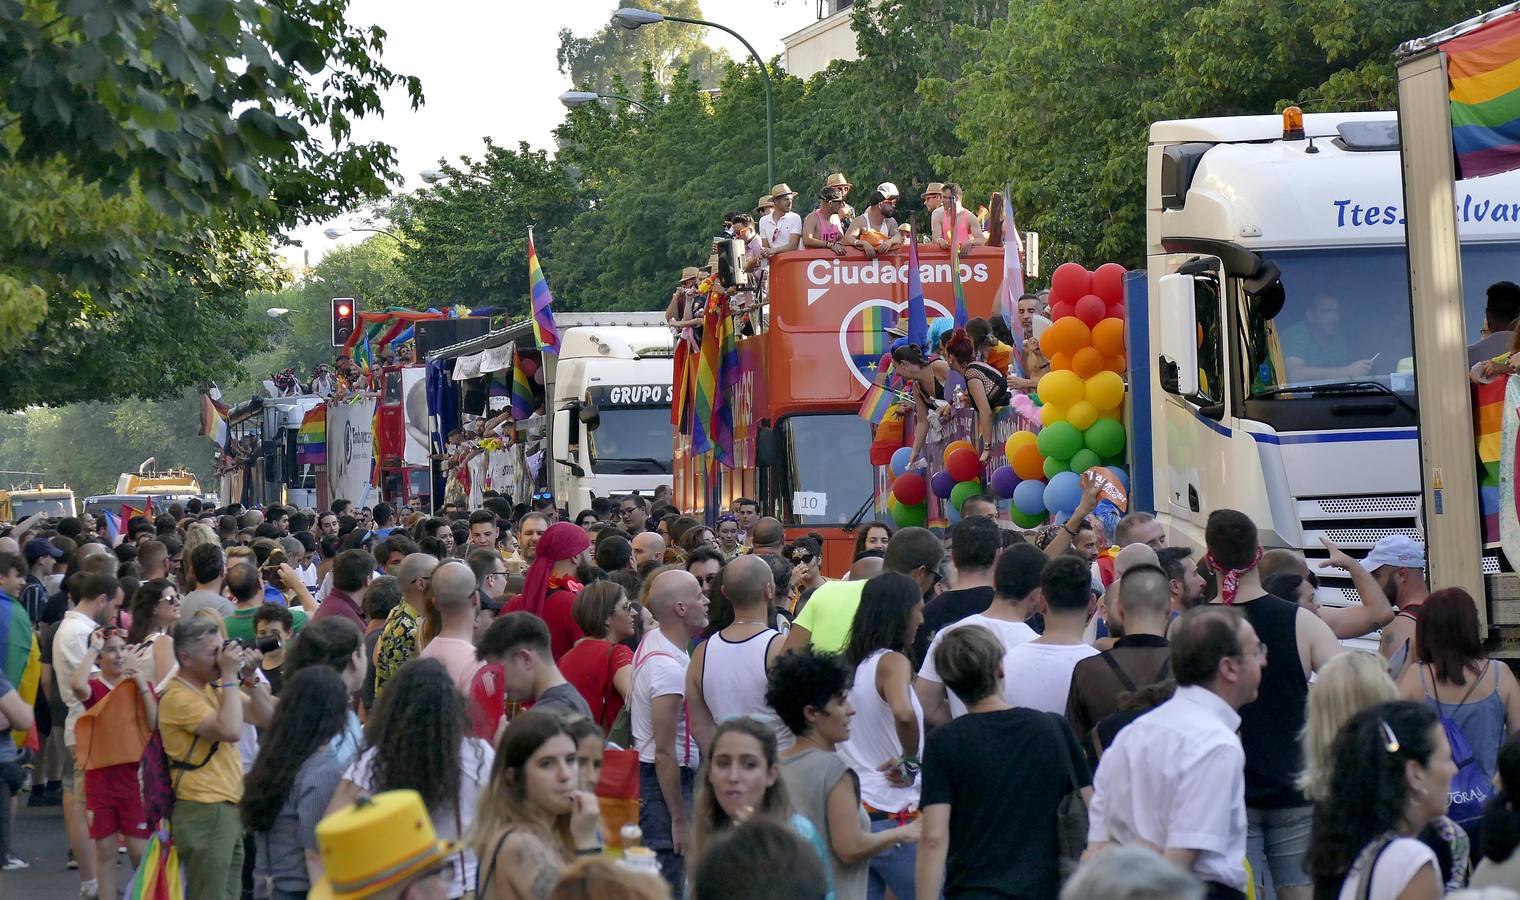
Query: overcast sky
point(488, 68)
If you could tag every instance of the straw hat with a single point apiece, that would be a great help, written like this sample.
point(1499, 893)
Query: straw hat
point(837, 180)
point(934, 187)
point(691, 273)
point(782, 190)
point(378, 843)
point(763, 204)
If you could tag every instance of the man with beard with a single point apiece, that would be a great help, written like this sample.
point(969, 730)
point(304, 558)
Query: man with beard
point(1397, 563)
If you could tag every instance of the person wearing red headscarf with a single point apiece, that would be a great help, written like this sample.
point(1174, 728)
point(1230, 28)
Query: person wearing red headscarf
point(550, 588)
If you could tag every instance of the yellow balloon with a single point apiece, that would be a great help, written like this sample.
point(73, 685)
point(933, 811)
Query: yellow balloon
point(1016, 440)
point(1082, 414)
point(1104, 390)
point(1051, 414)
point(1063, 388)
point(1114, 414)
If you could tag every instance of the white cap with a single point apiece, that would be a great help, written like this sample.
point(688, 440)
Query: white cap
point(887, 189)
point(1395, 550)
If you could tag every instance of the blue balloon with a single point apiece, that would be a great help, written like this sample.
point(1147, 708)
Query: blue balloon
point(1029, 497)
point(952, 515)
point(900, 459)
point(942, 484)
point(1064, 491)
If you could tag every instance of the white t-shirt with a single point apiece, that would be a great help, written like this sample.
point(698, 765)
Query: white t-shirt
point(1009, 634)
point(659, 670)
point(1038, 676)
point(776, 234)
point(475, 758)
point(1399, 862)
point(70, 642)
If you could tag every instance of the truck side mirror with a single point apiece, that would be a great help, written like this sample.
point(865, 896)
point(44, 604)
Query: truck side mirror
point(590, 415)
point(1178, 361)
point(765, 447)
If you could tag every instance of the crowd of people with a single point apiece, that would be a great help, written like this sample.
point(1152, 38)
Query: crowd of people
point(356, 702)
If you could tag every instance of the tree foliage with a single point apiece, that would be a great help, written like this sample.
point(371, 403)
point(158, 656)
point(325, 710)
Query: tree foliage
point(149, 154)
point(614, 54)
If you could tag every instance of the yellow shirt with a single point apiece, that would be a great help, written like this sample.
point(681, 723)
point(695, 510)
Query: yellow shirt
point(829, 613)
point(180, 710)
point(1000, 356)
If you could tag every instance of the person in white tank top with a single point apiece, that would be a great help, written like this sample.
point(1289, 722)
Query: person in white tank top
point(727, 675)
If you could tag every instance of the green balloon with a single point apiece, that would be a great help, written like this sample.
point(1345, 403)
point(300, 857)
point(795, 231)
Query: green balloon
point(1059, 440)
point(962, 490)
point(1054, 467)
point(1036, 399)
point(1115, 460)
point(1105, 438)
point(1025, 520)
point(910, 516)
point(1083, 460)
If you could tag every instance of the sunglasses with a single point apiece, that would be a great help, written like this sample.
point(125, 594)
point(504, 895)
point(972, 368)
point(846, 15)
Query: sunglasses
point(802, 557)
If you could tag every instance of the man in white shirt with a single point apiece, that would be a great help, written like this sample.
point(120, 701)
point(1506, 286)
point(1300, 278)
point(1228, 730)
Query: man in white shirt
point(1016, 579)
point(668, 754)
point(781, 230)
point(1037, 673)
point(97, 598)
point(1174, 779)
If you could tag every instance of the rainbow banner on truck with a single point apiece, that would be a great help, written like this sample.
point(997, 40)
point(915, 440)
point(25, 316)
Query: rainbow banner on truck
point(311, 440)
point(1484, 68)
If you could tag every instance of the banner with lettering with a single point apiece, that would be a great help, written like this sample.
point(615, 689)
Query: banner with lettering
point(350, 448)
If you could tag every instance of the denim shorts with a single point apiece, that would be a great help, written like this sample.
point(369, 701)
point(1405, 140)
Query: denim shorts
point(1276, 841)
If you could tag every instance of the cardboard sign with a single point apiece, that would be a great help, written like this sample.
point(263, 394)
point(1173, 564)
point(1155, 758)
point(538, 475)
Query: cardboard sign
point(1110, 488)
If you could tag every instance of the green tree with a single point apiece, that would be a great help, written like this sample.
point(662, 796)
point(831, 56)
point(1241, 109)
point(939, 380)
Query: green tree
point(615, 54)
point(148, 154)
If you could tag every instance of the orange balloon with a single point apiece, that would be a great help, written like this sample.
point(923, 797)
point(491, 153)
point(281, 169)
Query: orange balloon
point(1028, 463)
point(956, 445)
point(1087, 362)
point(1116, 364)
point(1060, 362)
point(1050, 341)
point(1108, 337)
point(1079, 335)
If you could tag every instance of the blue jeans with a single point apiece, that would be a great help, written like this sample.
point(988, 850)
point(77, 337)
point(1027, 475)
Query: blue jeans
point(891, 868)
point(654, 821)
point(1276, 841)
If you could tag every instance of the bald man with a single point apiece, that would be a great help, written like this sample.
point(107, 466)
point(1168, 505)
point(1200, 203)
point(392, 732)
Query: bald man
point(455, 598)
point(647, 545)
point(728, 670)
point(767, 538)
point(668, 754)
point(401, 638)
point(1108, 609)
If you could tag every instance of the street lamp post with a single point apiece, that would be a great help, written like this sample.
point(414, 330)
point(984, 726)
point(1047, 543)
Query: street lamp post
point(631, 18)
point(572, 99)
point(334, 232)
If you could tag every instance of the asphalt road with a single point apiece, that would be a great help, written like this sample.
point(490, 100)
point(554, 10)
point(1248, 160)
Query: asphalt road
point(38, 838)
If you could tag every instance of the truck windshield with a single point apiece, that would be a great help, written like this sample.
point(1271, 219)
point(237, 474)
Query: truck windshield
point(48, 506)
point(632, 440)
point(1345, 316)
point(827, 456)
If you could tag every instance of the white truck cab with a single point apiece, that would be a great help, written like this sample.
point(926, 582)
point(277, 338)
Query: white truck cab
point(1271, 346)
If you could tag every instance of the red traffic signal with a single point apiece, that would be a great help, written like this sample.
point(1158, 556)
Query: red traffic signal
point(344, 320)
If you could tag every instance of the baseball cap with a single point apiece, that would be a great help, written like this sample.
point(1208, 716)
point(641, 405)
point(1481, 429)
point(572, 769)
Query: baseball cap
point(37, 548)
point(887, 189)
point(1395, 550)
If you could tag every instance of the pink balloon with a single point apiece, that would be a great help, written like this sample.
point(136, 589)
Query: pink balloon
point(1091, 309)
point(1108, 283)
point(1115, 311)
point(1061, 310)
point(1069, 282)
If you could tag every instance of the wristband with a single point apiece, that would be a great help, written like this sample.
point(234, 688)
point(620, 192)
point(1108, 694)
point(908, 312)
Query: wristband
point(588, 851)
point(227, 684)
point(1067, 529)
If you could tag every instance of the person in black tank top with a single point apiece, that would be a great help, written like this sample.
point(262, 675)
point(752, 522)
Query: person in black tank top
point(1278, 814)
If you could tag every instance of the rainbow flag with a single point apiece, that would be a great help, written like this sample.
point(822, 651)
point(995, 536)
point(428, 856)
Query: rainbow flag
point(522, 390)
point(918, 315)
point(311, 439)
point(728, 383)
point(961, 315)
point(543, 314)
point(706, 400)
point(214, 416)
point(22, 663)
point(874, 406)
point(1484, 68)
point(678, 383)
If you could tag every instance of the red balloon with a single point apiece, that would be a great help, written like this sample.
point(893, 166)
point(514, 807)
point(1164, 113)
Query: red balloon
point(963, 465)
point(1062, 310)
point(1108, 283)
point(1116, 310)
point(910, 489)
point(1090, 309)
point(1070, 282)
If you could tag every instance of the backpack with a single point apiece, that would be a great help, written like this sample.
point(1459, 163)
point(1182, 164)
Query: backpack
point(998, 394)
point(1471, 787)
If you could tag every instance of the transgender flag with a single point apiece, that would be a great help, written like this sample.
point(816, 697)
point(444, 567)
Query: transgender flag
point(543, 315)
point(1013, 281)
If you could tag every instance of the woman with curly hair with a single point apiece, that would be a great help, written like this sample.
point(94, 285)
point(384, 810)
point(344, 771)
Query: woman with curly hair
point(155, 607)
point(533, 818)
point(293, 779)
point(419, 738)
point(334, 642)
point(1391, 775)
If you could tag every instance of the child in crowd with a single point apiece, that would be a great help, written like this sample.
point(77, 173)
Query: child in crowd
point(112, 794)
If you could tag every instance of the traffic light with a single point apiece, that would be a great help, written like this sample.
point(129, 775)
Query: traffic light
point(345, 318)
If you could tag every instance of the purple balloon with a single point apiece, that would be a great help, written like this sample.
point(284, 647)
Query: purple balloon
point(942, 484)
point(1003, 482)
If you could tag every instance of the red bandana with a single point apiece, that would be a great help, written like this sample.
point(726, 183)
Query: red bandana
point(1229, 579)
